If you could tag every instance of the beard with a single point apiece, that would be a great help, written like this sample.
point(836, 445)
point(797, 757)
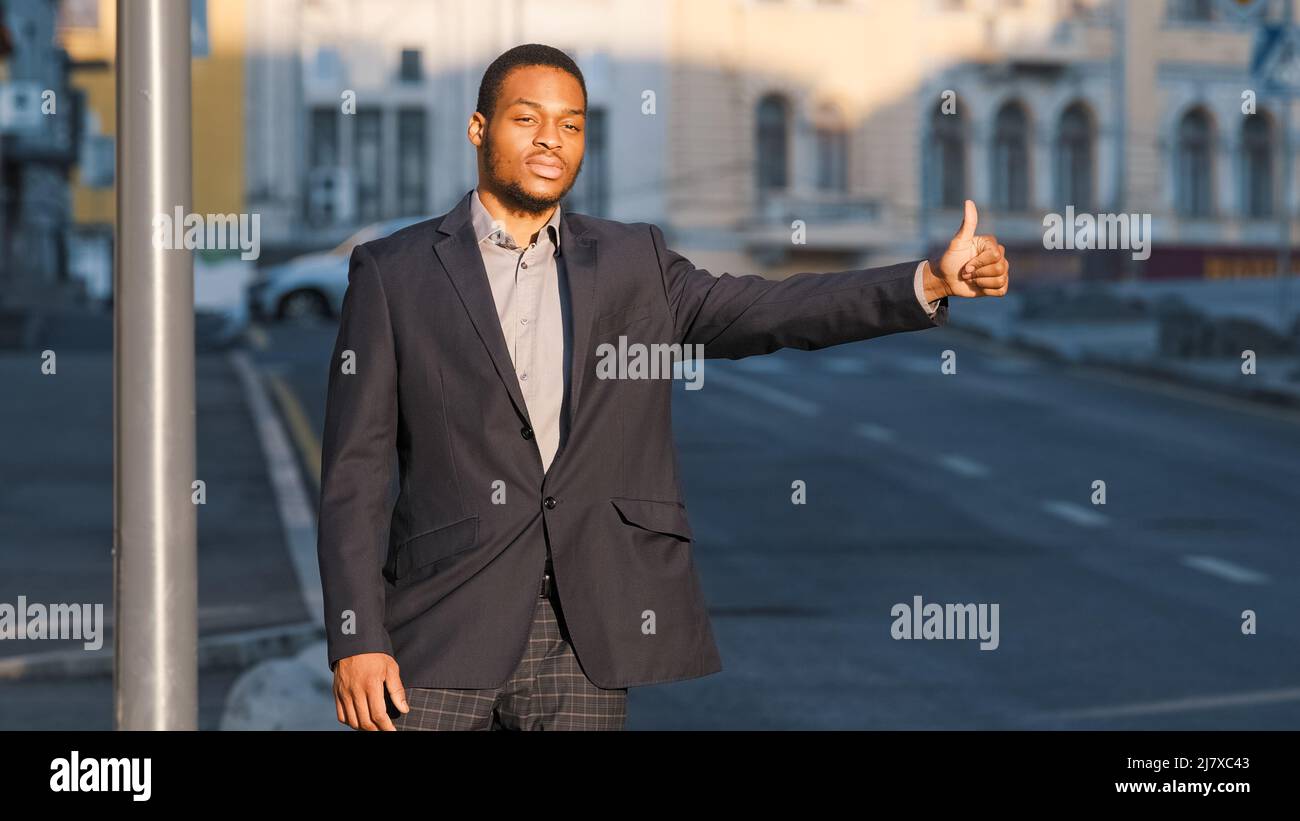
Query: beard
point(511, 192)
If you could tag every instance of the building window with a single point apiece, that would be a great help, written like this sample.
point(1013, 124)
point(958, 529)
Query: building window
point(1192, 11)
point(1074, 165)
point(947, 160)
point(1257, 166)
point(1010, 159)
point(772, 138)
point(324, 146)
point(1195, 164)
point(412, 161)
point(590, 194)
point(832, 146)
point(411, 70)
point(368, 165)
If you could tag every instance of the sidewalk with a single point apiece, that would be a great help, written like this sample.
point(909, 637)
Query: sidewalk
point(56, 523)
point(1141, 328)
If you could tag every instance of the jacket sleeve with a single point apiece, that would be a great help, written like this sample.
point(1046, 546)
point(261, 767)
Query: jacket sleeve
point(739, 316)
point(357, 447)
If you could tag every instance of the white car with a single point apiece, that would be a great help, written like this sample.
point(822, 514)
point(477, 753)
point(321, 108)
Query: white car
point(312, 285)
point(220, 312)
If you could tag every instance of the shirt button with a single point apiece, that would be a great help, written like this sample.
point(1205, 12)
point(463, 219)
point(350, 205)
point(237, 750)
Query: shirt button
point(523, 376)
point(523, 321)
point(526, 432)
point(550, 502)
point(524, 264)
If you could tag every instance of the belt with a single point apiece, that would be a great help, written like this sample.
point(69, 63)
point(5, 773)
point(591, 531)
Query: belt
point(547, 584)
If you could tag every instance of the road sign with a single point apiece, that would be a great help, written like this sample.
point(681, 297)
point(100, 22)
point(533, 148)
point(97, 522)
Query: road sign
point(1275, 61)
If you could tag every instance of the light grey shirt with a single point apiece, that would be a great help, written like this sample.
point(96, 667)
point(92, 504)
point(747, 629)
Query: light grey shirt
point(532, 301)
point(531, 292)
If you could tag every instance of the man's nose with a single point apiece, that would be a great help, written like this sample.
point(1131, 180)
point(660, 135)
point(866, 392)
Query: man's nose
point(548, 136)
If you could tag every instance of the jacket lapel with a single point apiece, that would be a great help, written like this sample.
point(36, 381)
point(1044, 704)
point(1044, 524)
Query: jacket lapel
point(457, 250)
point(579, 253)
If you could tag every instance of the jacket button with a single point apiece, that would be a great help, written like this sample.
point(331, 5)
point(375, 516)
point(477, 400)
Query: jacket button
point(526, 432)
point(550, 502)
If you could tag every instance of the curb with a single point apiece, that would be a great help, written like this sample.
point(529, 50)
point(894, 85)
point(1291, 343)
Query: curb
point(1263, 394)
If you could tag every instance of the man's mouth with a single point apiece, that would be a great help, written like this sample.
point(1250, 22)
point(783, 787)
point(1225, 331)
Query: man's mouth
point(545, 167)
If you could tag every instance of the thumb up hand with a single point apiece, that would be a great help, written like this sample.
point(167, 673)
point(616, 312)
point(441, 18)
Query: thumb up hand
point(974, 265)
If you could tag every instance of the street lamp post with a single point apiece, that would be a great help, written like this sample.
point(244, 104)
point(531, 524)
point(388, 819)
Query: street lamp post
point(155, 632)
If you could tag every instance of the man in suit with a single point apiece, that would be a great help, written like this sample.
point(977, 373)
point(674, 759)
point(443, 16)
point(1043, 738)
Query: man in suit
point(538, 559)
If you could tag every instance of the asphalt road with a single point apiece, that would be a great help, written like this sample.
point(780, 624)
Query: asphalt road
point(971, 487)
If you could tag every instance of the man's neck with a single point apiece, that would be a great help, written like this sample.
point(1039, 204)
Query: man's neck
point(519, 224)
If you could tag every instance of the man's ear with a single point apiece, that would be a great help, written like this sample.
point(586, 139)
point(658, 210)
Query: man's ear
point(476, 129)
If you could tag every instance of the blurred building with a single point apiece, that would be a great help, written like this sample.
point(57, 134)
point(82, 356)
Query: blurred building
point(1128, 107)
point(727, 120)
point(38, 117)
point(833, 113)
point(87, 29)
point(358, 109)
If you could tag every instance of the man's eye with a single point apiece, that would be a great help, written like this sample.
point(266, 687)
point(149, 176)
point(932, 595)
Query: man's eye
point(574, 127)
point(521, 119)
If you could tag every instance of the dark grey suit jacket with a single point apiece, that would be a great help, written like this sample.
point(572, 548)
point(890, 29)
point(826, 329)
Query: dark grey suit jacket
point(446, 581)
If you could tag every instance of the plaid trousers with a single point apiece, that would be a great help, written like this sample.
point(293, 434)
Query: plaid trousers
point(546, 691)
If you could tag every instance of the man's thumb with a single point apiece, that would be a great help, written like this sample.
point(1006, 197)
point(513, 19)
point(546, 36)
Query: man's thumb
point(968, 222)
point(396, 692)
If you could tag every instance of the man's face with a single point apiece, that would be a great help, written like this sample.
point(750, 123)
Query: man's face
point(531, 152)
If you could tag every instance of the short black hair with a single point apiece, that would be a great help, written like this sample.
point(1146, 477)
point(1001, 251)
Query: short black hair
point(529, 54)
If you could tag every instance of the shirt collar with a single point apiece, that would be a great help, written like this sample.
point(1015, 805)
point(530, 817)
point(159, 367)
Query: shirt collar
point(486, 229)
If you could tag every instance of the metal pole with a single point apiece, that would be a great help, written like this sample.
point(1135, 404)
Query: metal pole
point(1284, 221)
point(155, 672)
point(1119, 69)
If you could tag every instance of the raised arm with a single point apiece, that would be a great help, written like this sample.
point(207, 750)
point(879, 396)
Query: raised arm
point(738, 316)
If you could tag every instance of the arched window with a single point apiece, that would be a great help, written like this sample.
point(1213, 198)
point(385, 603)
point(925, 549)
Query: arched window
point(1074, 164)
point(1195, 164)
point(832, 146)
point(947, 159)
point(1010, 159)
point(1257, 166)
point(772, 138)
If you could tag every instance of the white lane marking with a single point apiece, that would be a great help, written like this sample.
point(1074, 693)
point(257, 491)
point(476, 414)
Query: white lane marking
point(1225, 569)
point(1075, 514)
point(257, 336)
point(1180, 705)
point(963, 466)
point(765, 393)
point(296, 514)
point(1011, 367)
point(876, 433)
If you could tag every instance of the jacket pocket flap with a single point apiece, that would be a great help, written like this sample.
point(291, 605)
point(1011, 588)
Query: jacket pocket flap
point(433, 545)
point(660, 517)
point(623, 317)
